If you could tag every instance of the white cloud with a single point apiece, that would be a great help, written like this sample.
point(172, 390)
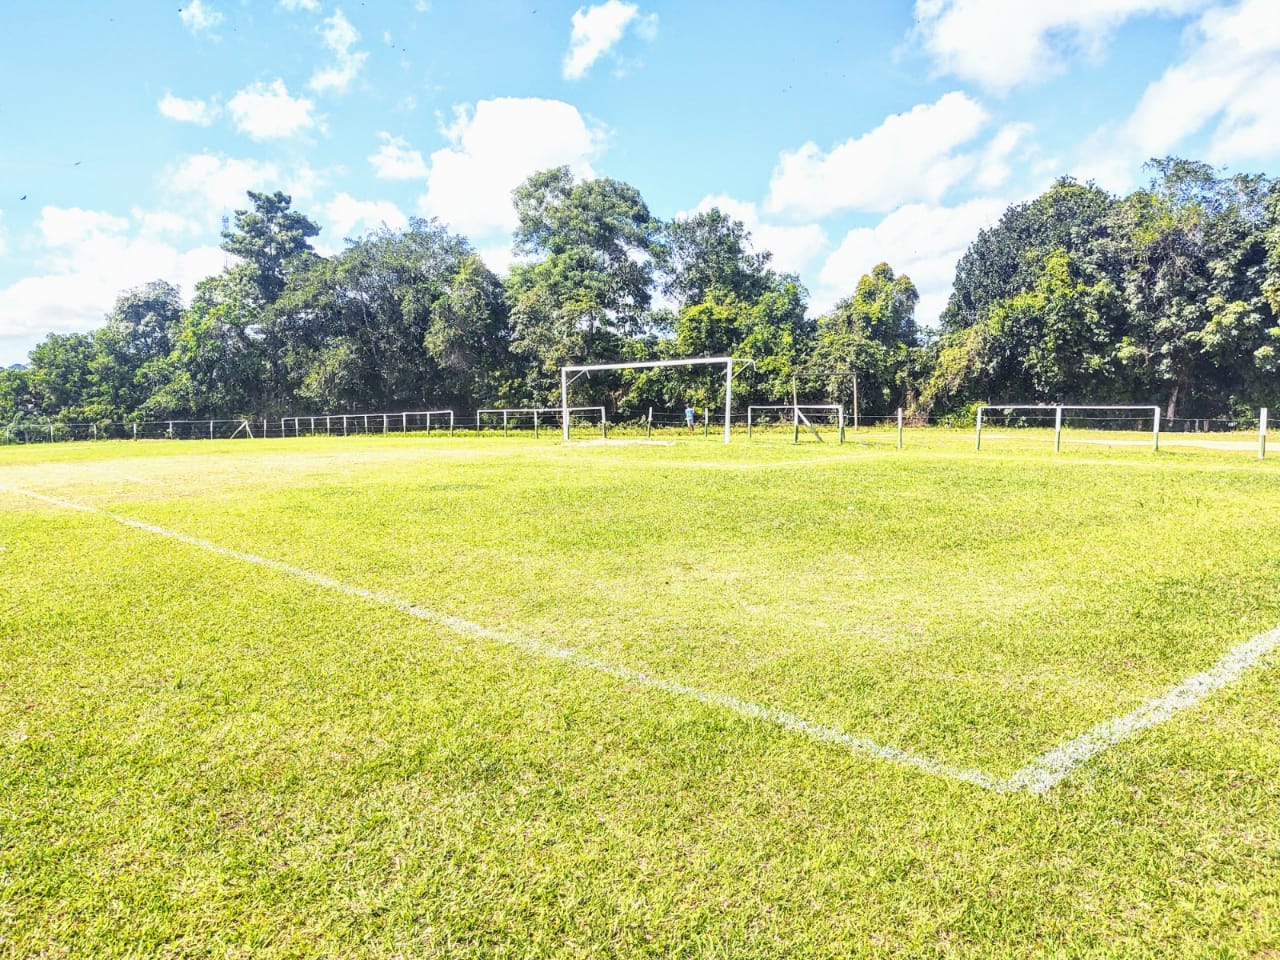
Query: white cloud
point(266, 111)
point(311, 6)
point(344, 213)
point(339, 36)
point(200, 112)
point(4, 236)
point(1000, 44)
point(396, 160)
point(68, 226)
point(1226, 86)
point(90, 257)
point(596, 30)
point(214, 184)
point(198, 18)
point(492, 149)
point(923, 241)
point(910, 156)
point(1231, 76)
point(160, 223)
point(794, 248)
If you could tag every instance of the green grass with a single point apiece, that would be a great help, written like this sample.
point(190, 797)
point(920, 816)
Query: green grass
point(202, 757)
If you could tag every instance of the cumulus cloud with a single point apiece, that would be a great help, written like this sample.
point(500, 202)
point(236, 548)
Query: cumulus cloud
point(207, 182)
point(596, 30)
point(340, 37)
point(1225, 87)
point(199, 17)
point(1000, 44)
point(4, 236)
point(396, 160)
point(67, 226)
point(89, 257)
point(311, 6)
point(200, 112)
point(266, 111)
point(909, 156)
point(492, 148)
point(344, 213)
point(794, 248)
point(923, 241)
point(1230, 79)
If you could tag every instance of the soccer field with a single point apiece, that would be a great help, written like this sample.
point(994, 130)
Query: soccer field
point(398, 696)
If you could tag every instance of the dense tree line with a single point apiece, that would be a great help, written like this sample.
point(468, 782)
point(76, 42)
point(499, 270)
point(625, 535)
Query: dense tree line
point(1168, 295)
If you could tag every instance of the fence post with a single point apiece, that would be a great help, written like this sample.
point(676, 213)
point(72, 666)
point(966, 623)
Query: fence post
point(535, 423)
point(706, 421)
point(210, 429)
point(977, 445)
point(1057, 429)
point(1262, 433)
point(899, 428)
point(648, 429)
point(1155, 432)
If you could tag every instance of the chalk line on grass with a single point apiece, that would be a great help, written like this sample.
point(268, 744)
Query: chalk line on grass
point(745, 708)
point(1050, 769)
point(1037, 777)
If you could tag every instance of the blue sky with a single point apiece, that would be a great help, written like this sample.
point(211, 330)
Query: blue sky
point(841, 133)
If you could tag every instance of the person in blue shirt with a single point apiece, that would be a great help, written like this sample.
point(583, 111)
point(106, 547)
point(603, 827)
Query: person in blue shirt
point(688, 416)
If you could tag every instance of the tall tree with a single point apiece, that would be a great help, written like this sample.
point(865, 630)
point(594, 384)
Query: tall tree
point(589, 287)
point(869, 336)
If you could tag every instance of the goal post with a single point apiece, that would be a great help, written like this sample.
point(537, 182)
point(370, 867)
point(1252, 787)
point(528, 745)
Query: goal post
point(797, 412)
point(579, 369)
point(1058, 409)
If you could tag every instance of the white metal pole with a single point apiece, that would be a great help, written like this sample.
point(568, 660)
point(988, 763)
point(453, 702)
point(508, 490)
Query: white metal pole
point(840, 420)
point(899, 428)
point(564, 403)
point(1262, 433)
point(855, 403)
point(728, 397)
point(1057, 429)
point(977, 445)
point(535, 423)
point(1155, 431)
point(210, 429)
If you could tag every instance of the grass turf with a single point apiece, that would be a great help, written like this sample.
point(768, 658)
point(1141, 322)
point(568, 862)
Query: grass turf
point(201, 757)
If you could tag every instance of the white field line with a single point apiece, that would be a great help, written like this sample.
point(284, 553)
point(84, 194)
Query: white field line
point(1037, 777)
point(1050, 769)
point(745, 708)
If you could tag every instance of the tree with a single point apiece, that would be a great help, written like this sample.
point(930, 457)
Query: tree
point(711, 252)
point(589, 289)
point(1004, 260)
point(270, 239)
point(870, 336)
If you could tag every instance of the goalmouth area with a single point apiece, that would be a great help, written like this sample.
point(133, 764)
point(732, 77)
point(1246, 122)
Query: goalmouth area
point(383, 695)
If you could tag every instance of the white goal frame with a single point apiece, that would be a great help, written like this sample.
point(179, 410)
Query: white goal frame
point(797, 415)
point(1057, 418)
point(579, 369)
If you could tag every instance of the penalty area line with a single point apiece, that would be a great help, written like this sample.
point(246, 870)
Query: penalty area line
point(859, 746)
point(1037, 777)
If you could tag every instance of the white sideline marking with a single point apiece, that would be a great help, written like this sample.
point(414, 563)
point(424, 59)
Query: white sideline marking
point(1050, 769)
point(745, 708)
point(1037, 777)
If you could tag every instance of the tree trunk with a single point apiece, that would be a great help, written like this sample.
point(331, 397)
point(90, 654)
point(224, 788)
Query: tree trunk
point(1171, 410)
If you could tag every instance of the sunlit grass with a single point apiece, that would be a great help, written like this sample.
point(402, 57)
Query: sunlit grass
point(201, 757)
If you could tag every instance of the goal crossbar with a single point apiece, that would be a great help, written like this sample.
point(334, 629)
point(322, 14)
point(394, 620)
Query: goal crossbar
point(578, 369)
